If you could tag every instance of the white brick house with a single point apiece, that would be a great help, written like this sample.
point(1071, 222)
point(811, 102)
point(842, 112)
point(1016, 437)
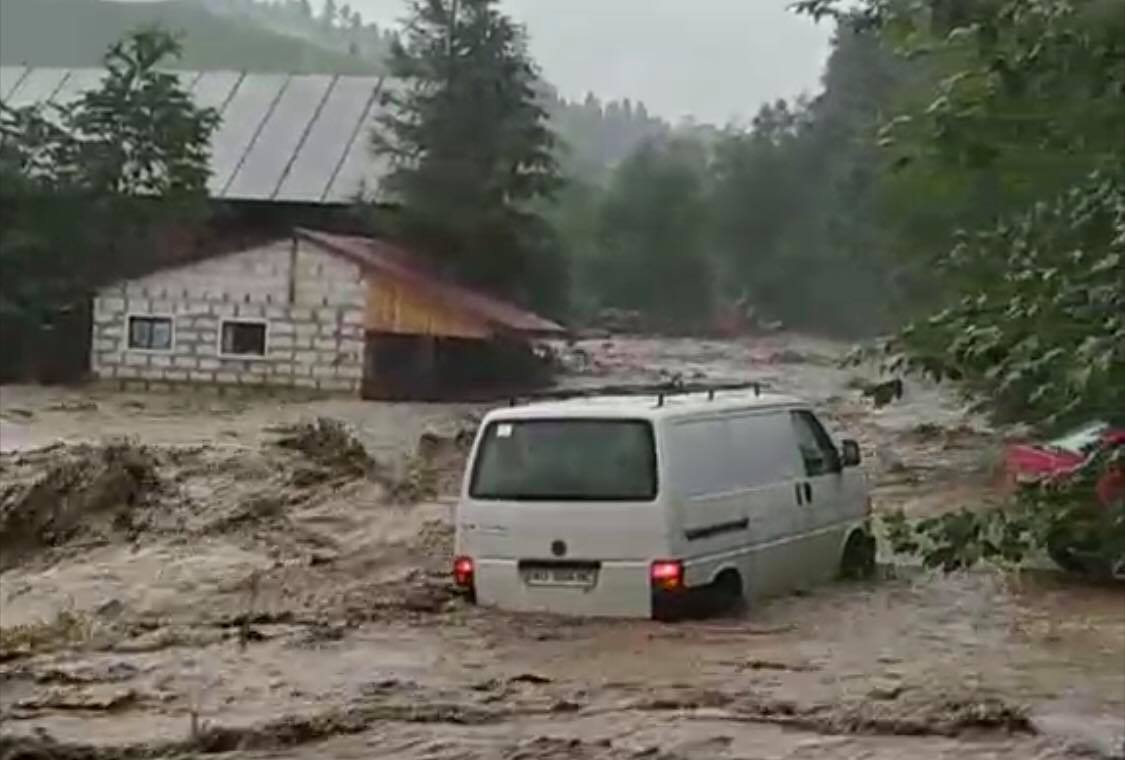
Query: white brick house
point(298, 313)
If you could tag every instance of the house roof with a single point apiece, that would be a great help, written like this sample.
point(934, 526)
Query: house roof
point(283, 137)
point(380, 256)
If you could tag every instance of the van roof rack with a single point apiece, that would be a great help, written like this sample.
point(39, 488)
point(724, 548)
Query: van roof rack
point(660, 390)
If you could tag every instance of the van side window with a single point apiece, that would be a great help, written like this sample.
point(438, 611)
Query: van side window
point(817, 450)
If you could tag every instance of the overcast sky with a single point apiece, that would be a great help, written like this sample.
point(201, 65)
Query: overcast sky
point(715, 60)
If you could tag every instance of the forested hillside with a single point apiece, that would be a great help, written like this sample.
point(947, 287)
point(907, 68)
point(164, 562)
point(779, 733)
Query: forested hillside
point(78, 32)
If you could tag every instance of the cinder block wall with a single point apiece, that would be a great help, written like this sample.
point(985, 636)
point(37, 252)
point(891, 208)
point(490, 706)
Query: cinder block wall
point(312, 304)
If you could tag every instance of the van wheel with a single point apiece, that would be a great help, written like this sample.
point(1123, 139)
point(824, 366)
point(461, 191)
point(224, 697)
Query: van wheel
point(728, 593)
point(858, 561)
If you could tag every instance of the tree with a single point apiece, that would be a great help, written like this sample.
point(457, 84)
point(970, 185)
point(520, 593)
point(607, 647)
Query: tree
point(1017, 137)
point(794, 200)
point(652, 237)
point(328, 17)
point(83, 188)
point(471, 150)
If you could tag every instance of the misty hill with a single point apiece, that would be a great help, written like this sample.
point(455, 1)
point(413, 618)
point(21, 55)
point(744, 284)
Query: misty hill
point(77, 32)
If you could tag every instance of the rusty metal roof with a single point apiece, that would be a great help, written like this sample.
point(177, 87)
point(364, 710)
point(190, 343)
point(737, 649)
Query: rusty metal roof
point(283, 137)
point(381, 256)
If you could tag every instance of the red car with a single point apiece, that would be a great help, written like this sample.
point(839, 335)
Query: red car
point(1032, 462)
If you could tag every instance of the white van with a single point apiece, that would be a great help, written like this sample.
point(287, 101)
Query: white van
point(625, 506)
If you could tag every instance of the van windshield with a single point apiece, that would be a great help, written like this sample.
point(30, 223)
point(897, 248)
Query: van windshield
point(566, 460)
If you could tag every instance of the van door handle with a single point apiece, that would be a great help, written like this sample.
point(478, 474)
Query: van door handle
point(808, 493)
point(797, 489)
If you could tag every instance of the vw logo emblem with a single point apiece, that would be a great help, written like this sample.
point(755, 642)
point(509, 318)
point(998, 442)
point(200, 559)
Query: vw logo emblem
point(558, 548)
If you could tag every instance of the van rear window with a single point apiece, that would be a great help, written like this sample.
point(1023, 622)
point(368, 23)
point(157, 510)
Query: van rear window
point(566, 460)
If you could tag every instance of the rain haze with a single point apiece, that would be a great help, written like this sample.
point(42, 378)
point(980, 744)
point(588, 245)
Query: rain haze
point(714, 60)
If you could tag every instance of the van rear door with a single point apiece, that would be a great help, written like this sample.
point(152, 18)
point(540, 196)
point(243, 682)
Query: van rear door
point(559, 507)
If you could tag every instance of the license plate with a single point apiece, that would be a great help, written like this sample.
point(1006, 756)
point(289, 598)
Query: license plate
point(559, 576)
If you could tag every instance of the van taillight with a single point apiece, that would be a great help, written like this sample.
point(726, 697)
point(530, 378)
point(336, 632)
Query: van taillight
point(667, 575)
point(463, 572)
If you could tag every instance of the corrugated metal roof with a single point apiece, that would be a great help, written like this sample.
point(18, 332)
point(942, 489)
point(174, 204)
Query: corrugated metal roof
point(382, 256)
point(301, 138)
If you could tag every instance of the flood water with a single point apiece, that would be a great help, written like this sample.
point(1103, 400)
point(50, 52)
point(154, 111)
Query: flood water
point(320, 624)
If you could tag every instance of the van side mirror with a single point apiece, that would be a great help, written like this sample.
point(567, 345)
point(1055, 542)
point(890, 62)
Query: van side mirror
point(850, 453)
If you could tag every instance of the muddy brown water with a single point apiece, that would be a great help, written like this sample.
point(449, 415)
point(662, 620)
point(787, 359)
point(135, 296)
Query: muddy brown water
point(349, 644)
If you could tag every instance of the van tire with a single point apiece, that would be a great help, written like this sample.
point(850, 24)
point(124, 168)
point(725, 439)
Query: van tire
point(858, 560)
point(728, 593)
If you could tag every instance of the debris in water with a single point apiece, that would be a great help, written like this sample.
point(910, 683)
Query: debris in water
point(330, 444)
point(54, 495)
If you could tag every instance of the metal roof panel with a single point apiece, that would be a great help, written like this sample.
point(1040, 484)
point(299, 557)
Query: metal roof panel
point(37, 87)
point(78, 82)
point(276, 143)
point(10, 77)
point(243, 117)
point(212, 89)
point(328, 139)
point(361, 170)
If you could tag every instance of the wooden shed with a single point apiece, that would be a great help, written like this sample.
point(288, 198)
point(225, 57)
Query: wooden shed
point(428, 337)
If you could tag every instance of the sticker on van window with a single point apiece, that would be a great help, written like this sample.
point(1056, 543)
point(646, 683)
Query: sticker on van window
point(504, 431)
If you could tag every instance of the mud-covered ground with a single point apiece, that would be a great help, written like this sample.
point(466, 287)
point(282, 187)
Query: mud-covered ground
point(239, 580)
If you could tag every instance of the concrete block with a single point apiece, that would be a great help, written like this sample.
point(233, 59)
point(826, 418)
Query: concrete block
point(252, 310)
point(109, 305)
point(335, 384)
point(106, 344)
point(304, 382)
point(352, 346)
point(351, 372)
point(352, 317)
point(325, 344)
point(351, 332)
point(186, 362)
point(161, 361)
point(227, 378)
point(306, 357)
point(124, 372)
point(280, 342)
point(282, 327)
point(209, 363)
point(324, 371)
point(163, 306)
point(276, 312)
point(300, 314)
point(331, 316)
point(138, 305)
point(109, 318)
point(197, 376)
point(284, 368)
point(136, 359)
point(221, 309)
point(175, 375)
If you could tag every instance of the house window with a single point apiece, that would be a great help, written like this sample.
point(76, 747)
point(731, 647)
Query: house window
point(241, 338)
point(150, 333)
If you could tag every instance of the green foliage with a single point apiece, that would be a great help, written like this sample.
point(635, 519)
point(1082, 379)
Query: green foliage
point(1038, 333)
point(471, 151)
point(652, 230)
point(1010, 164)
point(780, 217)
point(77, 33)
point(1060, 515)
point(84, 188)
